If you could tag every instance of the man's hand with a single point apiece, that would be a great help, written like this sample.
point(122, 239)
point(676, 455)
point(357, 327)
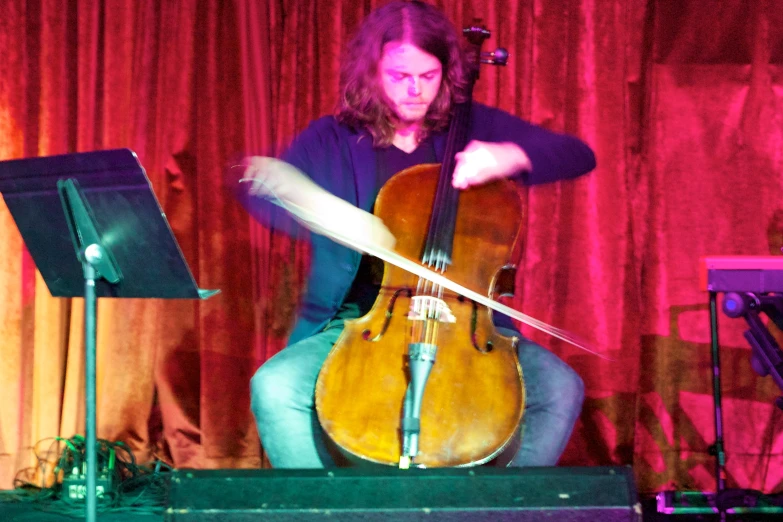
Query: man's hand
point(319, 210)
point(482, 162)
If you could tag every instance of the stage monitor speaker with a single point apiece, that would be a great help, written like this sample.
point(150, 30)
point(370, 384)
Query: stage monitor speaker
point(588, 494)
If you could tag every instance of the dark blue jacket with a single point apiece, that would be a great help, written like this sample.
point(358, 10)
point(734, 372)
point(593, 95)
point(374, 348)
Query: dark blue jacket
point(342, 161)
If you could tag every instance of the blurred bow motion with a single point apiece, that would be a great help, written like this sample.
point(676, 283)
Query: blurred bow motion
point(326, 214)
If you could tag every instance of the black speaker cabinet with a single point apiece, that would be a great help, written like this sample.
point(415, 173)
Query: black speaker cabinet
point(389, 494)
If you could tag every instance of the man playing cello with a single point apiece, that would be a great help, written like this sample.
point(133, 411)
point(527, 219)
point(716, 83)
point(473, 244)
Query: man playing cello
point(402, 74)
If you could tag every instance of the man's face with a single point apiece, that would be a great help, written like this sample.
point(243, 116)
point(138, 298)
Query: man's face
point(410, 79)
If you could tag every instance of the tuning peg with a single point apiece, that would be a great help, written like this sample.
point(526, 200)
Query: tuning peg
point(497, 57)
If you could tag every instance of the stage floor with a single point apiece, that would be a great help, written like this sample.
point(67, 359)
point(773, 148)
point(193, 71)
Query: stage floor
point(49, 512)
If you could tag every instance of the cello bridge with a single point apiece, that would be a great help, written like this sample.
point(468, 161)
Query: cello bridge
point(425, 307)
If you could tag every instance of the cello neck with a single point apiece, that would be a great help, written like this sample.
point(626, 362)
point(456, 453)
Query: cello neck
point(440, 237)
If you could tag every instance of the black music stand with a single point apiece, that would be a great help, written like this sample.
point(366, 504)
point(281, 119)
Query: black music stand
point(94, 228)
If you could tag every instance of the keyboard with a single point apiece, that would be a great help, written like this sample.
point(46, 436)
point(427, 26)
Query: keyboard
point(757, 274)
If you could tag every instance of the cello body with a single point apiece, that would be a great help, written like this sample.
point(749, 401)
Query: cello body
point(474, 397)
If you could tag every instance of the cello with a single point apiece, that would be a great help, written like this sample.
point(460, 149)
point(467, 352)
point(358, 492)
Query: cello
point(424, 378)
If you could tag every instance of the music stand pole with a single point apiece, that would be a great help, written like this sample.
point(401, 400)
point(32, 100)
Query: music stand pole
point(97, 263)
point(90, 329)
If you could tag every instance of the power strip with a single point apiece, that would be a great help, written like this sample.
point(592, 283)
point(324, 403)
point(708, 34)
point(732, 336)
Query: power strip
point(75, 486)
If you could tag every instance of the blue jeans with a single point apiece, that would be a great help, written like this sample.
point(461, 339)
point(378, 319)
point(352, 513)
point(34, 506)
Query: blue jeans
point(283, 390)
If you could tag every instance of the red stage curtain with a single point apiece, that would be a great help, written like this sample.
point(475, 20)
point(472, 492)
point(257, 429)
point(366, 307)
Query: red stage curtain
point(680, 100)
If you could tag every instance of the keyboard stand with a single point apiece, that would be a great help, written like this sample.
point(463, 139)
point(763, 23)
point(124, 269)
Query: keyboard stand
point(748, 282)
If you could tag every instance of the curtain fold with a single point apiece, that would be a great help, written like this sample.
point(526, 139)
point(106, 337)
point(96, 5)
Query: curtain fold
point(680, 100)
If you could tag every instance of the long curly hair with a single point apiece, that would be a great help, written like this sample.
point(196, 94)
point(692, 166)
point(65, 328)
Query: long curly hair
point(361, 104)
